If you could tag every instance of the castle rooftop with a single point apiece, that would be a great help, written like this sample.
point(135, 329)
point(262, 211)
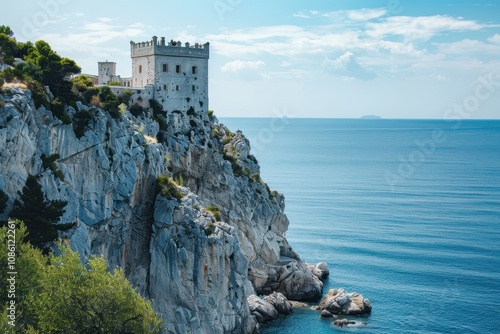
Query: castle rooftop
point(172, 48)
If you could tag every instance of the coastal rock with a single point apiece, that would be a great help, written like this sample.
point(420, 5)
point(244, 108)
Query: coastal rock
point(263, 310)
point(280, 303)
point(326, 314)
point(344, 322)
point(341, 302)
point(320, 270)
point(323, 268)
point(197, 268)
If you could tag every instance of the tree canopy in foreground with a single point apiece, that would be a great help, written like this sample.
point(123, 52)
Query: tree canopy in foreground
point(59, 294)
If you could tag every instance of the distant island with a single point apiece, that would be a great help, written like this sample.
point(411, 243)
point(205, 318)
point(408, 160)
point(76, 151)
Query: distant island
point(370, 117)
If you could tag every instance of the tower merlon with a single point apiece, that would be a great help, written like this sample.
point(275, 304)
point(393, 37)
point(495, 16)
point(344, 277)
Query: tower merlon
point(172, 48)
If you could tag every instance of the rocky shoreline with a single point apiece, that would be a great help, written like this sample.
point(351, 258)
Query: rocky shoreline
point(201, 255)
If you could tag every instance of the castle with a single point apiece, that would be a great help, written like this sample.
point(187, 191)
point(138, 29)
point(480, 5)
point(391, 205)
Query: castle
point(176, 76)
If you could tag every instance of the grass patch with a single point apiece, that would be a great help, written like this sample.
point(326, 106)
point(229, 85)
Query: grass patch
point(168, 188)
point(215, 210)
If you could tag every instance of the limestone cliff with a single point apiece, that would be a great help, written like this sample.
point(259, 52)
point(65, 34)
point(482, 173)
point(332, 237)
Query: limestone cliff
point(198, 268)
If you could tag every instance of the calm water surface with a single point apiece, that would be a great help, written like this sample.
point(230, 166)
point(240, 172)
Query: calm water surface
point(406, 212)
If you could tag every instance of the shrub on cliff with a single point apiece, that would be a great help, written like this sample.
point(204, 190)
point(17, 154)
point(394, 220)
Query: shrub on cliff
point(168, 188)
point(38, 213)
point(3, 201)
point(59, 294)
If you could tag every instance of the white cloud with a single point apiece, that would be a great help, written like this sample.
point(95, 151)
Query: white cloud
point(495, 39)
point(239, 65)
point(470, 46)
point(301, 15)
point(421, 27)
point(366, 14)
point(347, 66)
point(93, 37)
point(282, 41)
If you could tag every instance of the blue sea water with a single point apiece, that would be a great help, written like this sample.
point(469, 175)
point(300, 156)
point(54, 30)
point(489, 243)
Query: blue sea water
point(406, 212)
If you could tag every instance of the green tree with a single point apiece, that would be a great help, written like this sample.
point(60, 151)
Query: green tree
point(81, 83)
point(59, 294)
point(55, 69)
point(38, 213)
point(89, 299)
point(3, 201)
point(9, 47)
point(6, 31)
point(29, 265)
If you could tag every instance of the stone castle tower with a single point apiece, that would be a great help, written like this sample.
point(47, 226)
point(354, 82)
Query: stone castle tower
point(106, 72)
point(178, 74)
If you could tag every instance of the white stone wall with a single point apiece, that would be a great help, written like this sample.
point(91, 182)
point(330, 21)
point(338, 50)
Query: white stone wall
point(140, 96)
point(106, 72)
point(180, 91)
point(143, 71)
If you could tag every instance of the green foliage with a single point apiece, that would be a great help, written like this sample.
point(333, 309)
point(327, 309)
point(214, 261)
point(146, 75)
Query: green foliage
point(237, 170)
point(32, 70)
point(9, 47)
point(168, 188)
point(6, 31)
point(126, 96)
point(210, 229)
point(159, 116)
point(38, 213)
point(114, 83)
point(136, 110)
point(81, 122)
point(253, 159)
point(89, 93)
point(57, 108)
point(210, 114)
point(3, 201)
point(50, 163)
point(227, 138)
point(215, 210)
point(59, 294)
point(81, 84)
point(55, 69)
point(109, 101)
point(179, 181)
point(256, 177)
point(38, 93)
point(30, 264)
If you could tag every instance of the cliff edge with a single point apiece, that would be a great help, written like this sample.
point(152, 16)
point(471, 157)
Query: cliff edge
point(199, 254)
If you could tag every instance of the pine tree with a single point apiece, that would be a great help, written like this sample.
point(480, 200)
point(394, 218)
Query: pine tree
point(3, 201)
point(38, 213)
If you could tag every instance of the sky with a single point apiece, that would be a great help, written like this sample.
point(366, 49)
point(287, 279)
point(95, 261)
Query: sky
point(336, 58)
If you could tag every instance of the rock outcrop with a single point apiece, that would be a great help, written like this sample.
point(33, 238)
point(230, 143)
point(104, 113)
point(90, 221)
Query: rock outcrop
point(263, 310)
point(320, 270)
point(280, 303)
point(341, 302)
point(199, 268)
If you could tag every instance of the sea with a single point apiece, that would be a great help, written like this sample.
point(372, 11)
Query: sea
point(405, 212)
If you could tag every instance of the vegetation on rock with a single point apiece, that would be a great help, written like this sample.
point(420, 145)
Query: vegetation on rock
point(59, 294)
point(39, 214)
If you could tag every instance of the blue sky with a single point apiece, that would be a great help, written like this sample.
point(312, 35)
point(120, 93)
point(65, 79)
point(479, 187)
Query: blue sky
point(393, 58)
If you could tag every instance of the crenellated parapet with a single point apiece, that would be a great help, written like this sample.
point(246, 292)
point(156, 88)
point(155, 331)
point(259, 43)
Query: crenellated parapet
point(172, 48)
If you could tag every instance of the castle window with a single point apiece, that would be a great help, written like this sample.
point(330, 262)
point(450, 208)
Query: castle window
point(193, 88)
point(177, 68)
point(140, 68)
point(176, 87)
point(165, 67)
point(194, 70)
point(164, 87)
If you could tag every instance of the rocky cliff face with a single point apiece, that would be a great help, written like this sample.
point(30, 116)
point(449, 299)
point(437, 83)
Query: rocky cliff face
point(198, 268)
